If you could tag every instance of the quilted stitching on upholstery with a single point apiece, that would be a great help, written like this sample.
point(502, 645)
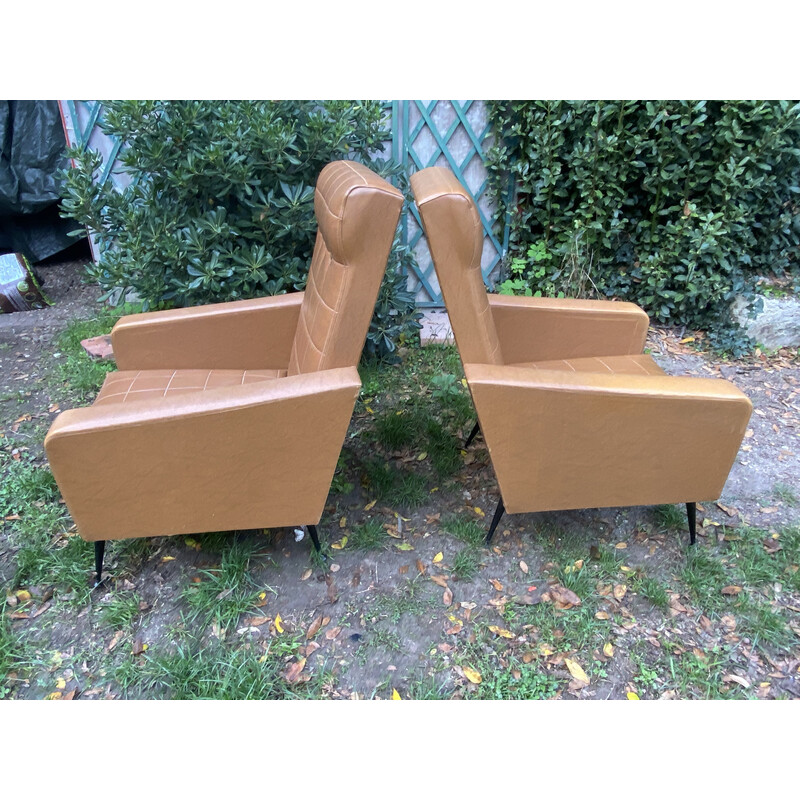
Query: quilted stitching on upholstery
point(615, 365)
point(334, 279)
point(124, 387)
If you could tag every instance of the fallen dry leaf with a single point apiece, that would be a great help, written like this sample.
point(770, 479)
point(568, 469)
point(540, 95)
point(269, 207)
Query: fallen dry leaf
point(608, 649)
point(313, 628)
point(420, 567)
point(311, 647)
point(447, 597)
point(340, 545)
point(562, 597)
point(369, 506)
point(576, 671)
point(501, 632)
point(306, 574)
point(731, 590)
point(439, 580)
point(731, 512)
point(497, 585)
point(293, 671)
point(255, 622)
point(601, 615)
point(396, 695)
point(343, 522)
point(278, 626)
point(632, 696)
point(621, 545)
point(333, 633)
point(736, 679)
point(620, 590)
point(438, 557)
point(523, 566)
point(472, 675)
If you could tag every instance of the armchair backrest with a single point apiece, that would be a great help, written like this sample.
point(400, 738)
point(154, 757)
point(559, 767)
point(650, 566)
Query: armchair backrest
point(455, 237)
point(357, 213)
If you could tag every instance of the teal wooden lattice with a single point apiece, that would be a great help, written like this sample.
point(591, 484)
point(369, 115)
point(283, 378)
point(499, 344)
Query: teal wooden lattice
point(453, 134)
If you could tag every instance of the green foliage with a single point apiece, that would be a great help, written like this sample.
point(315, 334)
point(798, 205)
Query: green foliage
point(121, 610)
point(216, 672)
point(677, 206)
point(226, 592)
point(80, 374)
point(11, 651)
point(220, 201)
point(465, 529)
point(368, 535)
point(24, 483)
point(466, 564)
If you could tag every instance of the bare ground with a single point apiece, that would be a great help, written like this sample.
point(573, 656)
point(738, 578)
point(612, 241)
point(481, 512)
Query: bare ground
point(397, 618)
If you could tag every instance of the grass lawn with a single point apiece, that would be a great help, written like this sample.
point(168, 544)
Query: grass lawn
point(597, 603)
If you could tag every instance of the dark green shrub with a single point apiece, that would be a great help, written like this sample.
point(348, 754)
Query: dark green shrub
point(675, 205)
point(220, 200)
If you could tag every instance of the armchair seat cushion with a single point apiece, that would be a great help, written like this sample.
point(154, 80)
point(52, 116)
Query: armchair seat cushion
point(129, 386)
point(610, 365)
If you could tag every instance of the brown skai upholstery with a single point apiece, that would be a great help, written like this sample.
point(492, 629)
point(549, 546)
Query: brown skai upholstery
point(573, 414)
point(232, 416)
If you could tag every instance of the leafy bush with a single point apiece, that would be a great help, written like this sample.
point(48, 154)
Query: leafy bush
point(677, 206)
point(220, 201)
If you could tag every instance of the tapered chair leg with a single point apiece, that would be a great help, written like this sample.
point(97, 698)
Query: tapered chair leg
point(691, 513)
point(99, 552)
point(499, 511)
point(312, 532)
point(474, 433)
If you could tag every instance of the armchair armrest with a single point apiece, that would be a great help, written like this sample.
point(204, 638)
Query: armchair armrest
point(249, 456)
point(563, 440)
point(244, 334)
point(545, 329)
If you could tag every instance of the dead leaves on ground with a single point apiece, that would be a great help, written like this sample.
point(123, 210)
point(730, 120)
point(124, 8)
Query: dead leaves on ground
point(292, 674)
point(576, 671)
point(472, 675)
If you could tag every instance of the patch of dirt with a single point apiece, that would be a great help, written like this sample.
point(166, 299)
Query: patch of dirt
point(386, 623)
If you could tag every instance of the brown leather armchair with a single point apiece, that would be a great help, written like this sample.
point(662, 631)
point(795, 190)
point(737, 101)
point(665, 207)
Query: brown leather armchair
point(573, 413)
point(232, 416)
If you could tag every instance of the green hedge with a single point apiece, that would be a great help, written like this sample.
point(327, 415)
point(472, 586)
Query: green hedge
point(220, 201)
point(675, 205)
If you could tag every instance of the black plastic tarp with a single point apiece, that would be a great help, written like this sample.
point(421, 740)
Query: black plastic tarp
point(32, 151)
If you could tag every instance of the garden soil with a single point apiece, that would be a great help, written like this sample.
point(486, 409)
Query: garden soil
point(367, 639)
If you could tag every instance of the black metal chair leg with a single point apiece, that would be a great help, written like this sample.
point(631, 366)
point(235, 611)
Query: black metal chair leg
point(499, 511)
point(312, 532)
point(691, 512)
point(474, 433)
point(99, 552)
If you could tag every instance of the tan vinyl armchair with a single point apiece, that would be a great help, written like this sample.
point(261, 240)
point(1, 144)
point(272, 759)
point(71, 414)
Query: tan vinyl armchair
point(573, 413)
point(232, 416)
